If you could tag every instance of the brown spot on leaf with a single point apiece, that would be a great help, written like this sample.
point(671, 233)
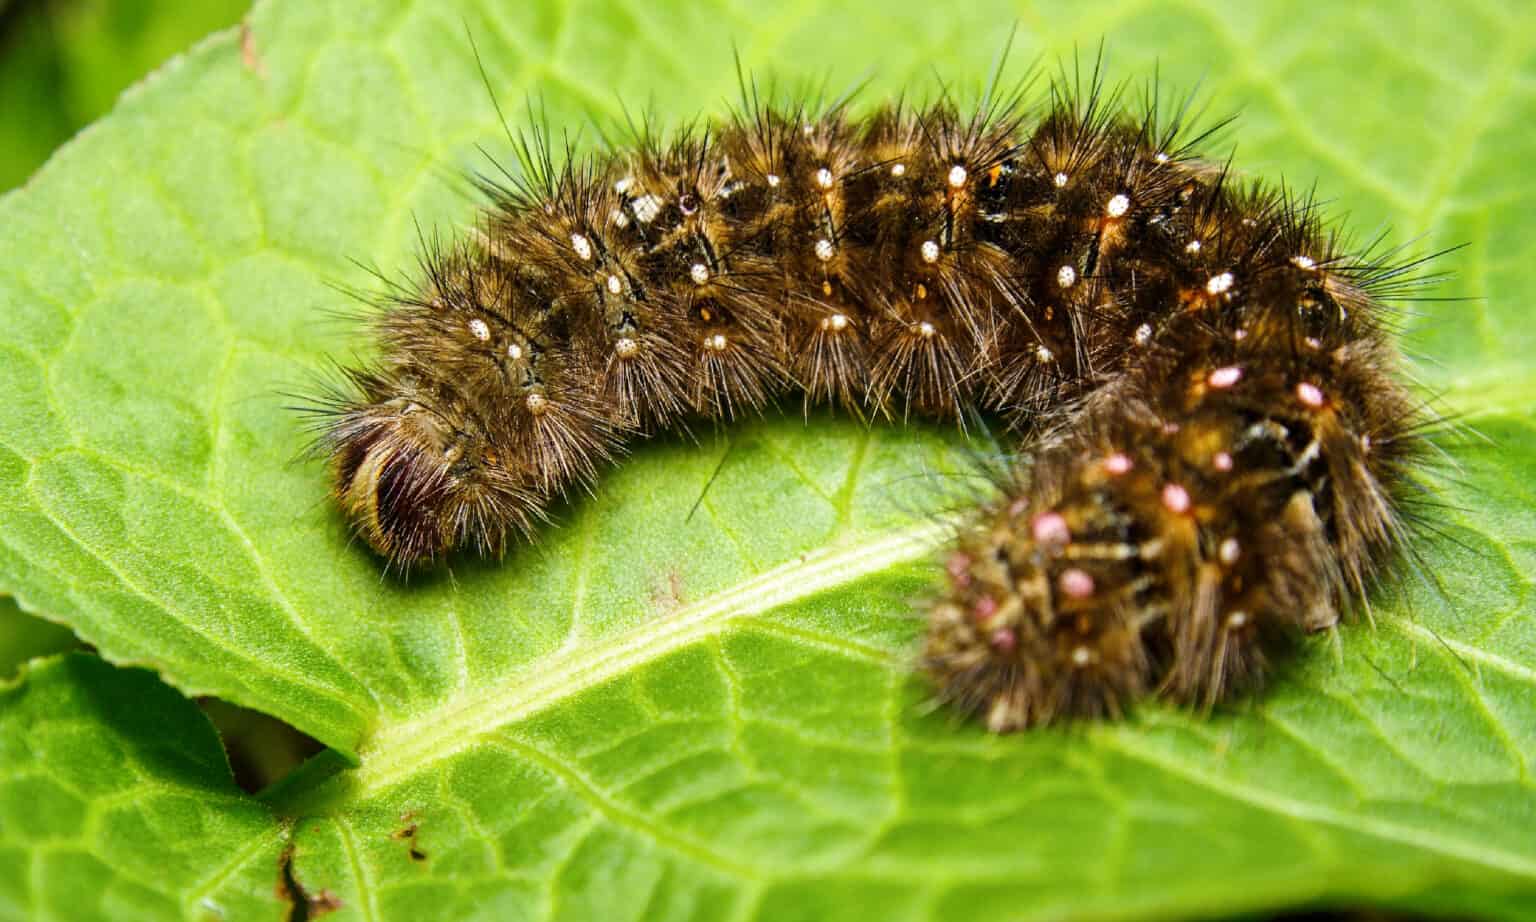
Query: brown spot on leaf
point(407, 834)
point(249, 56)
point(302, 905)
point(668, 595)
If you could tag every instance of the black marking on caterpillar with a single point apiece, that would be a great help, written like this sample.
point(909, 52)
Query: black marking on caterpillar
point(1218, 447)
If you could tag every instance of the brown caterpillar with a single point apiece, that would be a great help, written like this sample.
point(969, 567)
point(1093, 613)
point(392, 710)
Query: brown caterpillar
point(1217, 444)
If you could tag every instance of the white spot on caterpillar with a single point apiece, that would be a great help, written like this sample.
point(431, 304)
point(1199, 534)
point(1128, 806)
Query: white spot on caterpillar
point(1065, 276)
point(619, 218)
point(1222, 461)
point(808, 129)
point(1060, 179)
point(1240, 334)
point(1081, 656)
point(898, 170)
point(514, 351)
point(836, 323)
point(1176, 499)
point(1143, 334)
point(1309, 394)
point(773, 180)
point(624, 185)
point(715, 343)
point(1224, 377)
point(1220, 284)
point(930, 251)
point(537, 404)
point(824, 249)
point(614, 285)
point(479, 330)
point(824, 178)
point(1313, 342)
point(1236, 620)
point(647, 207)
point(1192, 247)
point(1303, 262)
point(1044, 355)
point(699, 273)
point(926, 330)
point(1118, 463)
point(1118, 206)
point(1229, 551)
point(957, 176)
point(1160, 157)
point(625, 347)
point(582, 246)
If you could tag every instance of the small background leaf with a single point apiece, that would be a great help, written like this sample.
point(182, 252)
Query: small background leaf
point(63, 63)
point(116, 803)
point(23, 637)
point(651, 715)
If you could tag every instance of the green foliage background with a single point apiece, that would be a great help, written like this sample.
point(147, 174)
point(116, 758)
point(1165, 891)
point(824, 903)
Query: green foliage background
point(653, 715)
point(63, 62)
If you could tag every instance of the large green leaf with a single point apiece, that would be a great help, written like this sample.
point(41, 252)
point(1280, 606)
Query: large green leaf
point(658, 714)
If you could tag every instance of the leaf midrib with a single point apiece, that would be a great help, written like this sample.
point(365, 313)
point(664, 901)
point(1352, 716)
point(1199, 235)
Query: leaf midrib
point(399, 750)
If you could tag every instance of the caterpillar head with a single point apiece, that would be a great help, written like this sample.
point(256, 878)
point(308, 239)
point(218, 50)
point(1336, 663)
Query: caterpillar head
point(418, 481)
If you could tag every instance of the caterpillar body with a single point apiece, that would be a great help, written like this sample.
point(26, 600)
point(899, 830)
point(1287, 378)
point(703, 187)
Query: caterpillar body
point(1216, 445)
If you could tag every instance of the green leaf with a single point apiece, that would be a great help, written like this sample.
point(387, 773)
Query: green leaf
point(116, 803)
point(23, 637)
point(663, 713)
point(63, 63)
point(30, 123)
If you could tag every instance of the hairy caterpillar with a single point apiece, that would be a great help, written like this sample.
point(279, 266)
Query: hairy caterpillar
point(1217, 446)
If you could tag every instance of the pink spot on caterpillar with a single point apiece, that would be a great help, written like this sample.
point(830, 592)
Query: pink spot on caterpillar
point(1004, 640)
point(959, 568)
point(1176, 498)
point(1310, 394)
point(1118, 463)
point(1075, 583)
point(984, 608)
point(1050, 528)
point(1222, 461)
